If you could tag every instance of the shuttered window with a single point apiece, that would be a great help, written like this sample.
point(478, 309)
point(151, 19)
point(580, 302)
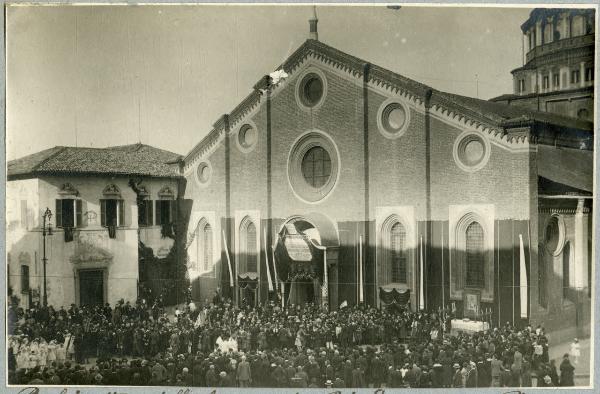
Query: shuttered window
point(398, 253)
point(24, 278)
point(145, 213)
point(112, 212)
point(165, 211)
point(475, 255)
point(69, 213)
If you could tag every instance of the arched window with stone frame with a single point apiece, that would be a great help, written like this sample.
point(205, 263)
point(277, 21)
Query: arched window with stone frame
point(471, 253)
point(474, 251)
point(204, 246)
point(393, 264)
point(248, 247)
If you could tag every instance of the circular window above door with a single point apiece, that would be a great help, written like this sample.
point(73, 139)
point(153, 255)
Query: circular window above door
point(313, 166)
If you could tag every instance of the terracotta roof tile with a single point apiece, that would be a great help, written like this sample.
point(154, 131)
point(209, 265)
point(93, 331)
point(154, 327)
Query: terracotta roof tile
point(136, 159)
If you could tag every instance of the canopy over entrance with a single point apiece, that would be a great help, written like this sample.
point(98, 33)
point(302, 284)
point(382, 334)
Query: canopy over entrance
point(300, 253)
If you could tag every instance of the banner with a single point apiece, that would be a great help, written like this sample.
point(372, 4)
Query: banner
point(522, 278)
point(394, 296)
point(228, 260)
point(421, 266)
point(360, 271)
point(267, 262)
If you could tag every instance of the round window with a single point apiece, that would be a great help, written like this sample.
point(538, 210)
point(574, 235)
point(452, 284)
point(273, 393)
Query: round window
point(316, 167)
point(311, 90)
point(203, 172)
point(471, 151)
point(247, 136)
point(313, 166)
point(393, 117)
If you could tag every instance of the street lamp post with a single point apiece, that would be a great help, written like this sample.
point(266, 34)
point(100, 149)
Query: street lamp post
point(46, 231)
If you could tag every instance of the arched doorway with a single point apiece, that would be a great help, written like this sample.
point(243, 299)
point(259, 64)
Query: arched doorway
point(306, 257)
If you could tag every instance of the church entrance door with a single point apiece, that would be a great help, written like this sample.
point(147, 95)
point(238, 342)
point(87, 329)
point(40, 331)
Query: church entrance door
point(91, 287)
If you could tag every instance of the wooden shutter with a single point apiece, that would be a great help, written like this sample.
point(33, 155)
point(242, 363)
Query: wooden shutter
point(173, 211)
point(78, 213)
point(58, 213)
point(121, 204)
point(24, 278)
point(158, 218)
point(150, 213)
point(103, 212)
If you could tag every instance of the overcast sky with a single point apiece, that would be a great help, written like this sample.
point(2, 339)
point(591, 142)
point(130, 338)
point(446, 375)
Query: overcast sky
point(162, 75)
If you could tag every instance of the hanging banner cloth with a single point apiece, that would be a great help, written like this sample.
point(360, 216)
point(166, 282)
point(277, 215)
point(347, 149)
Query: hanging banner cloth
point(522, 278)
point(297, 256)
point(248, 280)
point(392, 295)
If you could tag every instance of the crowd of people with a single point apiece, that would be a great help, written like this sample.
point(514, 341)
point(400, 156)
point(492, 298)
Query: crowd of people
point(220, 345)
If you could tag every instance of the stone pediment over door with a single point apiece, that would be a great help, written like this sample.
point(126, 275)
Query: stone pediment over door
point(91, 250)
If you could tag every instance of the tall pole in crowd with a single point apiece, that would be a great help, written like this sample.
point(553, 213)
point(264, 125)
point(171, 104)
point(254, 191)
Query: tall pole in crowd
point(46, 217)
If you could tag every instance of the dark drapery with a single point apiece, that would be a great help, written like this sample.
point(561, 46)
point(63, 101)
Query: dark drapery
point(289, 248)
point(248, 282)
point(390, 296)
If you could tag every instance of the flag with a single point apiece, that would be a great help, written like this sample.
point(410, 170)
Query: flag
point(267, 262)
point(274, 267)
point(360, 271)
point(228, 260)
point(344, 304)
point(421, 292)
point(522, 278)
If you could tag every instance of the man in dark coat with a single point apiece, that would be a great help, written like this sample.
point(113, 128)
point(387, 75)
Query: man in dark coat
point(566, 372)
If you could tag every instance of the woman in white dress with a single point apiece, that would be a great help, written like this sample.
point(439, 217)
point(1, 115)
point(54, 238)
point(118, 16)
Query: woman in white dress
point(61, 354)
point(43, 354)
point(575, 351)
point(51, 352)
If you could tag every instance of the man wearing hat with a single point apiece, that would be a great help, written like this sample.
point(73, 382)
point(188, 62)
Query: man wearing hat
point(457, 379)
point(243, 373)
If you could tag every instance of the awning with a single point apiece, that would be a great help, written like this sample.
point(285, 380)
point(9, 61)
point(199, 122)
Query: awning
point(393, 295)
point(567, 166)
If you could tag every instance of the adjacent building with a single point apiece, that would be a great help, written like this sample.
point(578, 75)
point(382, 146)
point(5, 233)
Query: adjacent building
point(558, 71)
point(103, 204)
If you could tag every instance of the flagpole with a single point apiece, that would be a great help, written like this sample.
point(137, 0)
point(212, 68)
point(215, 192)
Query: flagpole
point(360, 271)
point(228, 259)
point(267, 262)
point(443, 288)
point(421, 294)
point(522, 278)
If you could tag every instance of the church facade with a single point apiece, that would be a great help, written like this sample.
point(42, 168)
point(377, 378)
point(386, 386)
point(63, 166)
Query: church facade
point(338, 181)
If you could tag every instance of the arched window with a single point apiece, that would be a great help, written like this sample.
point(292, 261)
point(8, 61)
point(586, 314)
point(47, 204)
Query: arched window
point(207, 247)
point(474, 249)
point(577, 26)
point(548, 33)
point(248, 247)
point(394, 251)
point(204, 246)
point(398, 253)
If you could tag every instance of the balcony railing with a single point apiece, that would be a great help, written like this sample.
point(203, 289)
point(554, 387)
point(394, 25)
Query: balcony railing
point(559, 45)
